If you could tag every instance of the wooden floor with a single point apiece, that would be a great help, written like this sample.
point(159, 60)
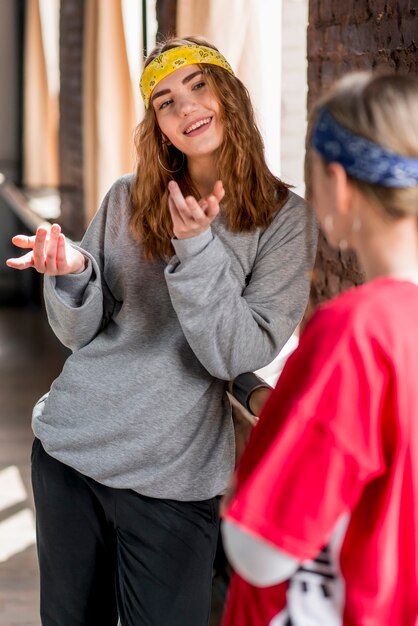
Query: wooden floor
point(30, 358)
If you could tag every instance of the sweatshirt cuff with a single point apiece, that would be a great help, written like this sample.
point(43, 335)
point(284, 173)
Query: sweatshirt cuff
point(70, 288)
point(73, 281)
point(193, 245)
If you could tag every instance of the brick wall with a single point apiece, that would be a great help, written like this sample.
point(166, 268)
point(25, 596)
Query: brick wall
point(345, 35)
point(70, 132)
point(166, 17)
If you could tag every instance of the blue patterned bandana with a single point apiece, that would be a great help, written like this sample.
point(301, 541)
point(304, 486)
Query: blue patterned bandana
point(362, 159)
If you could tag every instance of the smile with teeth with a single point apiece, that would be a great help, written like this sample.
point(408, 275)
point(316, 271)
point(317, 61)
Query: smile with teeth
point(197, 125)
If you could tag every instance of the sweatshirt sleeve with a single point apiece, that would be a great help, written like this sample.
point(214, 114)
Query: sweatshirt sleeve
point(78, 305)
point(232, 330)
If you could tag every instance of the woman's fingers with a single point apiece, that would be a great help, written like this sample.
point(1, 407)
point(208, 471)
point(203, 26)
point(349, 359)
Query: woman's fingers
point(186, 213)
point(176, 196)
point(51, 249)
point(49, 253)
point(39, 250)
point(45, 250)
point(25, 261)
point(23, 241)
point(195, 210)
point(213, 207)
point(68, 259)
point(188, 208)
point(210, 204)
point(176, 215)
point(190, 217)
point(61, 257)
point(21, 263)
point(218, 190)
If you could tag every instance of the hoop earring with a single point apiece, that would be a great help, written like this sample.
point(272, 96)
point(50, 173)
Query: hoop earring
point(343, 245)
point(329, 223)
point(166, 169)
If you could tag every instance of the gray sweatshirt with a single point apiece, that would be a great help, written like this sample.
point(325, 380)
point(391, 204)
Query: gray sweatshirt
point(141, 402)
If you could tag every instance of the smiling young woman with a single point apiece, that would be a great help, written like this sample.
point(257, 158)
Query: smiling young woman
point(252, 193)
point(194, 270)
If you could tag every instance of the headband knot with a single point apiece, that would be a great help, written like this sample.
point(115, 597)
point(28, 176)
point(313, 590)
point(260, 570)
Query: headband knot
point(361, 158)
point(174, 58)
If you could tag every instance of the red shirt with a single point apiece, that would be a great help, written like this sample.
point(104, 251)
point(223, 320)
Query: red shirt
point(333, 465)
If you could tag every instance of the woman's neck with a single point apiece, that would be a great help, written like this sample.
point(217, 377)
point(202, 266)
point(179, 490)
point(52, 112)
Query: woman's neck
point(203, 174)
point(389, 248)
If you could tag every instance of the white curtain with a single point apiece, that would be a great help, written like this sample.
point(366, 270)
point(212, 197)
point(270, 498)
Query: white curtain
point(248, 33)
point(111, 99)
point(41, 92)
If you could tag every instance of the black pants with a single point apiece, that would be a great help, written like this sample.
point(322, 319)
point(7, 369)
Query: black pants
point(107, 552)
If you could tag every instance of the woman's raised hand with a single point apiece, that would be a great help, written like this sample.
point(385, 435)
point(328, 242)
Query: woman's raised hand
point(191, 217)
point(49, 254)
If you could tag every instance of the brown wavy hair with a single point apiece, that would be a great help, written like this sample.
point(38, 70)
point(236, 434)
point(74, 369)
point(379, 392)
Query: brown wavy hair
point(252, 193)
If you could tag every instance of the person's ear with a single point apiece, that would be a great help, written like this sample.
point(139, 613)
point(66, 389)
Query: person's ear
point(341, 186)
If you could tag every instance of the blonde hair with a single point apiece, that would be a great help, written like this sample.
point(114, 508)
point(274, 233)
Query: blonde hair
point(382, 108)
point(252, 193)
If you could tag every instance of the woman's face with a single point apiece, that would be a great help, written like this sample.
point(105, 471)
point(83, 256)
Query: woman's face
point(188, 113)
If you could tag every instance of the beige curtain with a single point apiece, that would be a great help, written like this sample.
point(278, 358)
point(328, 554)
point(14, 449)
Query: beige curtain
point(40, 106)
point(109, 109)
point(248, 33)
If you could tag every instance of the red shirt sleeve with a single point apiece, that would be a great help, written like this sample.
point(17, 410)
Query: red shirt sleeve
point(253, 606)
point(317, 442)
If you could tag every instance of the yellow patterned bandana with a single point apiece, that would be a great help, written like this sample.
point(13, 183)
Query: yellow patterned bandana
point(171, 60)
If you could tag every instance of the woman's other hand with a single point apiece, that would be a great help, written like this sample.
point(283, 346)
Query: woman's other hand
point(228, 496)
point(191, 217)
point(49, 254)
